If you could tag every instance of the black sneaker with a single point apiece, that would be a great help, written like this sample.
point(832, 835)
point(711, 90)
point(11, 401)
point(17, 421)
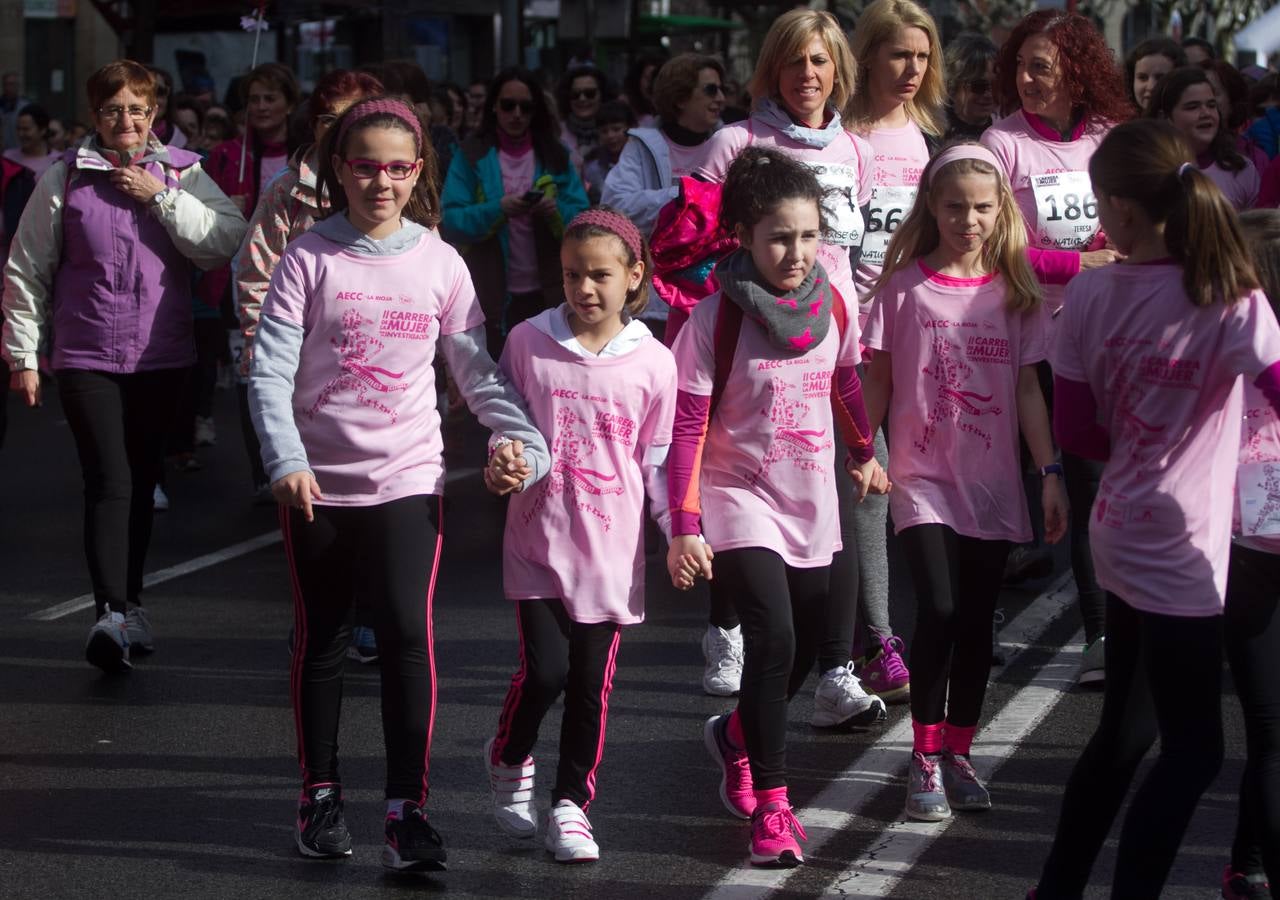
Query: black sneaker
point(322, 831)
point(412, 844)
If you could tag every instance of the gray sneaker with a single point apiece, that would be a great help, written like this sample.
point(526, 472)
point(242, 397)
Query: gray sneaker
point(926, 800)
point(1093, 665)
point(108, 644)
point(139, 631)
point(964, 790)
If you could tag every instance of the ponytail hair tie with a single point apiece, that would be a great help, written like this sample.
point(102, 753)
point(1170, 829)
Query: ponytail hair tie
point(1183, 170)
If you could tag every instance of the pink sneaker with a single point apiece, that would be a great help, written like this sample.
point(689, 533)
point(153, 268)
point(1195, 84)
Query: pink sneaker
point(773, 836)
point(886, 675)
point(735, 771)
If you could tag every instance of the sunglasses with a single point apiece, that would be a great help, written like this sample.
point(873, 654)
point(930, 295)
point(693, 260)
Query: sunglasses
point(980, 86)
point(585, 94)
point(714, 90)
point(508, 105)
point(367, 169)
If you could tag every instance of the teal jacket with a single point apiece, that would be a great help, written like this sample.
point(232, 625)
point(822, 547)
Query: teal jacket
point(474, 222)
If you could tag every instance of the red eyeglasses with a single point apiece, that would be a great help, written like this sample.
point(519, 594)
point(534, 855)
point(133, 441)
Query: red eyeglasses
point(367, 169)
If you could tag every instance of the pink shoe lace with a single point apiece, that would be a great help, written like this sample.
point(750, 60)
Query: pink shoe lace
point(962, 766)
point(891, 664)
point(932, 781)
point(776, 821)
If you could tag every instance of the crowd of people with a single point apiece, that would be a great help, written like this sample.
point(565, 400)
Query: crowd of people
point(968, 300)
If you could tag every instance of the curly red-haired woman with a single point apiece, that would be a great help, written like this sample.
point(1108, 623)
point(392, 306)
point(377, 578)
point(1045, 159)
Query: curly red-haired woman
point(1062, 91)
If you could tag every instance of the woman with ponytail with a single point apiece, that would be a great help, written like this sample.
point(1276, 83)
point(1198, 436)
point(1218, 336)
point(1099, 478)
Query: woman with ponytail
point(1147, 361)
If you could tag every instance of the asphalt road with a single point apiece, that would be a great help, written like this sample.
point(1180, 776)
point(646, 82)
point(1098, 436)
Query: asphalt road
point(179, 779)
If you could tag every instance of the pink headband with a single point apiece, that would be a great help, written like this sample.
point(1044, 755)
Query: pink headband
point(385, 106)
point(614, 223)
point(965, 151)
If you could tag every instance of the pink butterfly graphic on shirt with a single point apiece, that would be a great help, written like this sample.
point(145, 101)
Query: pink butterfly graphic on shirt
point(801, 446)
point(953, 403)
point(356, 348)
point(569, 475)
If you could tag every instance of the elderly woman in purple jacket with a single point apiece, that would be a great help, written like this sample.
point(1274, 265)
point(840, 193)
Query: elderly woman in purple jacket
point(100, 274)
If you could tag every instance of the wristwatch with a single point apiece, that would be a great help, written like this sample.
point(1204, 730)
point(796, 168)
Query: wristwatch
point(1051, 469)
point(159, 198)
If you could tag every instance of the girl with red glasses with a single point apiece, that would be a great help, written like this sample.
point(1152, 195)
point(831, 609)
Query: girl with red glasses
point(343, 396)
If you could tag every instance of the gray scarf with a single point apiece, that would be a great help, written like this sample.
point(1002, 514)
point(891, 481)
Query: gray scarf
point(771, 113)
point(795, 321)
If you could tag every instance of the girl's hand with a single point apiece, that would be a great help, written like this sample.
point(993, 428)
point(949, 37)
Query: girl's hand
point(507, 470)
point(138, 183)
point(27, 383)
point(1053, 497)
point(513, 205)
point(870, 477)
point(296, 490)
point(687, 559)
point(545, 208)
point(1096, 259)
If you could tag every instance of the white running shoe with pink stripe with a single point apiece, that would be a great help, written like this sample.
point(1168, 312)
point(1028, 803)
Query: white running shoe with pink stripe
point(511, 789)
point(569, 834)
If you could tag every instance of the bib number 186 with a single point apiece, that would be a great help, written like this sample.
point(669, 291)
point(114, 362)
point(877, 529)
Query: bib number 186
point(1071, 207)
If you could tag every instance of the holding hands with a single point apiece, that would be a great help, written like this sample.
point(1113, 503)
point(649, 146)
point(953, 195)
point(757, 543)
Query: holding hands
point(508, 469)
point(870, 477)
point(688, 557)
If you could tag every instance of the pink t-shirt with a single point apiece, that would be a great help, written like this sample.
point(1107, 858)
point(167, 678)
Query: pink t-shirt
point(37, 164)
point(522, 252)
point(1240, 188)
point(364, 397)
point(900, 157)
point(1166, 376)
point(685, 160)
point(767, 476)
point(1050, 180)
point(843, 166)
point(579, 533)
point(1259, 443)
point(954, 456)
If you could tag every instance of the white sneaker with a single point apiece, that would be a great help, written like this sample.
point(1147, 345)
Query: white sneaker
point(569, 834)
point(205, 434)
point(108, 644)
point(722, 649)
point(1093, 664)
point(138, 628)
point(841, 701)
point(511, 789)
point(159, 500)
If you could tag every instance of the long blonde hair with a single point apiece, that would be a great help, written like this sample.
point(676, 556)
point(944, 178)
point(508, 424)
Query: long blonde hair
point(1005, 251)
point(881, 21)
point(787, 41)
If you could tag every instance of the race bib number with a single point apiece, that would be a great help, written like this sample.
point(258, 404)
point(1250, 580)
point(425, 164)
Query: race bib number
point(235, 341)
point(840, 208)
point(889, 206)
point(1066, 211)
point(1259, 498)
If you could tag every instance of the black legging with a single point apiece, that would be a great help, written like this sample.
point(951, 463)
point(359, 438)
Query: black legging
point(384, 558)
point(119, 423)
point(840, 617)
point(1164, 678)
point(957, 581)
point(782, 609)
point(1082, 477)
point(1251, 626)
point(558, 655)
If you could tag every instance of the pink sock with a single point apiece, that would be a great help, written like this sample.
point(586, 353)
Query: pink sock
point(768, 795)
point(733, 731)
point(928, 737)
point(959, 738)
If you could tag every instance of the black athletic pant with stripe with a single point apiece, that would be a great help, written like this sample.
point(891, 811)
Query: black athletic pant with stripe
point(559, 655)
point(384, 559)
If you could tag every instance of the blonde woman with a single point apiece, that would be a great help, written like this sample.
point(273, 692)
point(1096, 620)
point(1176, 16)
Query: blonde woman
point(804, 77)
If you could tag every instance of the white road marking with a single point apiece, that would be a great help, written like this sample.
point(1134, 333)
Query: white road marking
point(884, 762)
point(85, 601)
